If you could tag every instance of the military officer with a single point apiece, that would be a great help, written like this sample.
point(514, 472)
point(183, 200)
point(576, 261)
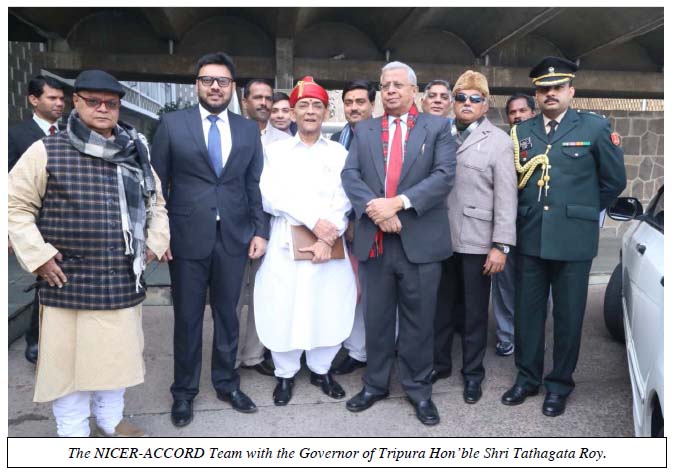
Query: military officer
point(570, 166)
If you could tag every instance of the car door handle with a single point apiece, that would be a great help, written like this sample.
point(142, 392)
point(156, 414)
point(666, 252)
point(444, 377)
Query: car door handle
point(641, 248)
point(662, 281)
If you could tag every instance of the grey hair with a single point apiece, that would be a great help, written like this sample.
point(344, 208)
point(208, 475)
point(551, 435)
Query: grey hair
point(411, 75)
point(437, 82)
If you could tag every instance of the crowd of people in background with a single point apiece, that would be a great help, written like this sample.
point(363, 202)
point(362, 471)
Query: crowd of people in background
point(387, 238)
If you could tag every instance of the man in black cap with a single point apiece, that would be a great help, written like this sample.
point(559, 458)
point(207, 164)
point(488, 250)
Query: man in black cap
point(86, 214)
point(570, 167)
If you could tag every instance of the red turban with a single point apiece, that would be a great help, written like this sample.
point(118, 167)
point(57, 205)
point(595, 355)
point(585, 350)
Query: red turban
point(306, 88)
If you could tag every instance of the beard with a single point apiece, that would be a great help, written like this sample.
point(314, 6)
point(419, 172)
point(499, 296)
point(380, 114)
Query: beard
point(211, 108)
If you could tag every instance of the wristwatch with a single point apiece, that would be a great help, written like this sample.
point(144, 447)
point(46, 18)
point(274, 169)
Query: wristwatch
point(505, 249)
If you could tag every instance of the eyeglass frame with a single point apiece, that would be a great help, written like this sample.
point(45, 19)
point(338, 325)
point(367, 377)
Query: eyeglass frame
point(208, 81)
point(95, 103)
point(472, 98)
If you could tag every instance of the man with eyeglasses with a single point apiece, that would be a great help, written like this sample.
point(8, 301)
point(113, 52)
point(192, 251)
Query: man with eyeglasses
point(358, 98)
point(210, 161)
point(46, 98)
point(437, 99)
point(482, 211)
point(86, 214)
point(570, 167)
point(398, 173)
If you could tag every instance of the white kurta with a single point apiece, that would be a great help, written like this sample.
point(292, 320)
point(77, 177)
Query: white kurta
point(298, 304)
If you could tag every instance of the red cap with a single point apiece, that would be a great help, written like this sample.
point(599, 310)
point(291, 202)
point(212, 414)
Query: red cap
point(306, 88)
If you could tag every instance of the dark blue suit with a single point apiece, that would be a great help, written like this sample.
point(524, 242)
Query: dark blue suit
point(208, 254)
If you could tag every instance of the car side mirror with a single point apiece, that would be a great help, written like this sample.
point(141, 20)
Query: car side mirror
point(625, 209)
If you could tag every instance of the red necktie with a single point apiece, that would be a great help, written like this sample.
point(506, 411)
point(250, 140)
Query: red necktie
point(395, 161)
point(52, 130)
point(395, 165)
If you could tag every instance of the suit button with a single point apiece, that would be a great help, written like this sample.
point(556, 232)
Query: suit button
point(112, 271)
point(546, 208)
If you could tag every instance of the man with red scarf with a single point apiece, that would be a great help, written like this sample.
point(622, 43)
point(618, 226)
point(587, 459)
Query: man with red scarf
point(398, 173)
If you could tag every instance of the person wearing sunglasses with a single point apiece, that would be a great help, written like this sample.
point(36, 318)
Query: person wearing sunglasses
point(482, 211)
point(570, 167)
point(210, 161)
point(86, 214)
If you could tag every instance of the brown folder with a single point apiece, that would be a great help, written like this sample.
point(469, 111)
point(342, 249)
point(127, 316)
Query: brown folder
point(304, 237)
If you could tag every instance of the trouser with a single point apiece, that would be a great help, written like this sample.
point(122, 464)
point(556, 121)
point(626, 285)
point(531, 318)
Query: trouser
point(463, 301)
point(250, 351)
point(355, 343)
point(503, 299)
point(33, 332)
point(569, 281)
point(221, 273)
point(287, 364)
point(392, 282)
point(72, 411)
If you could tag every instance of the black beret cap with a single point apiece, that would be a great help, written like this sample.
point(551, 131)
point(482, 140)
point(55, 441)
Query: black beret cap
point(551, 71)
point(97, 80)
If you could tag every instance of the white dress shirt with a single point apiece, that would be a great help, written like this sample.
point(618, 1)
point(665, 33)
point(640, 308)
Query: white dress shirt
point(223, 127)
point(546, 121)
point(44, 124)
point(391, 131)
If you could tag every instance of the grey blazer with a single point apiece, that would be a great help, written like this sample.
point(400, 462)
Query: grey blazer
point(483, 203)
point(426, 178)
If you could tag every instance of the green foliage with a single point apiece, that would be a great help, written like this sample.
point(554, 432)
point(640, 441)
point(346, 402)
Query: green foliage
point(168, 107)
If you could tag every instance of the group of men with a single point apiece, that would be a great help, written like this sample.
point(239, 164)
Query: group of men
point(387, 239)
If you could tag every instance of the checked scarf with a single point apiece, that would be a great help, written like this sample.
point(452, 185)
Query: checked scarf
point(378, 247)
point(135, 182)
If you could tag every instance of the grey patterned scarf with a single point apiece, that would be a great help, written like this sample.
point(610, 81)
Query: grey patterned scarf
point(135, 182)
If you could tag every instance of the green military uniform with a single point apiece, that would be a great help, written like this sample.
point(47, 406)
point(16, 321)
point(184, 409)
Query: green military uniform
point(558, 234)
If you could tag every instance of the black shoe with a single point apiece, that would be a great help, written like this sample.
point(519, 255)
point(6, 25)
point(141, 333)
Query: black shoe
point(364, 400)
point(436, 375)
point(31, 353)
point(266, 367)
point(239, 401)
point(517, 395)
point(283, 391)
point(472, 391)
point(554, 404)
point(348, 365)
point(426, 411)
point(181, 412)
point(328, 384)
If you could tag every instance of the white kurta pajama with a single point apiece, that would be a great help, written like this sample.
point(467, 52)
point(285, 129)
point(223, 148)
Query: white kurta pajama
point(300, 305)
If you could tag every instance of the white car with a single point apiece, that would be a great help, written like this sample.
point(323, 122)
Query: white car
point(633, 307)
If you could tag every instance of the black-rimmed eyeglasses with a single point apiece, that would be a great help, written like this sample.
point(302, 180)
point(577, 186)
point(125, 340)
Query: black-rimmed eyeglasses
point(223, 81)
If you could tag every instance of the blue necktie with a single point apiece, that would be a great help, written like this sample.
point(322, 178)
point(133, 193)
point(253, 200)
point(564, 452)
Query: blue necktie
point(214, 146)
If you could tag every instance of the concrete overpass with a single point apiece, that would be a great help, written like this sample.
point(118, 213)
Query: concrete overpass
point(620, 50)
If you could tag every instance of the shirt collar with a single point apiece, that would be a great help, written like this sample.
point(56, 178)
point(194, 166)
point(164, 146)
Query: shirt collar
point(298, 141)
point(559, 118)
point(44, 124)
point(204, 114)
point(403, 119)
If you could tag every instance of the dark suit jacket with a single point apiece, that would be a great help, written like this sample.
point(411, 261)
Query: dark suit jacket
point(587, 173)
point(193, 191)
point(426, 179)
point(20, 137)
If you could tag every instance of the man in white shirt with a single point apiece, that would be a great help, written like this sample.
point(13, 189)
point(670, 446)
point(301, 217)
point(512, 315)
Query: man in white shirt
point(305, 305)
point(45, 96)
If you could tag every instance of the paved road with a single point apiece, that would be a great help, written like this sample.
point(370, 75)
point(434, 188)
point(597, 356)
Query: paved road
point(599, 407)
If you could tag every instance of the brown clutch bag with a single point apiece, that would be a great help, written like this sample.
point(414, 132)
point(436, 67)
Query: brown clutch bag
point(304, 237)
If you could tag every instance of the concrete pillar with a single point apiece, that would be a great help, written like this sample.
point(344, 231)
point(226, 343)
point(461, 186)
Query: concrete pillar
point(284, 63)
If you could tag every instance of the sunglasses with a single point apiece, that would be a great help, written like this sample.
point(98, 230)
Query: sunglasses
point(223, 81)
point(474, 98)
point(95, 103)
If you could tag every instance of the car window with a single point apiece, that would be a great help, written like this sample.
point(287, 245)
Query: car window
point(656, 212)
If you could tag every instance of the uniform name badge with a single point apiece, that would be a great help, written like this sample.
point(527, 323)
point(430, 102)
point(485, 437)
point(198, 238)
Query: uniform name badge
point(525, 144)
